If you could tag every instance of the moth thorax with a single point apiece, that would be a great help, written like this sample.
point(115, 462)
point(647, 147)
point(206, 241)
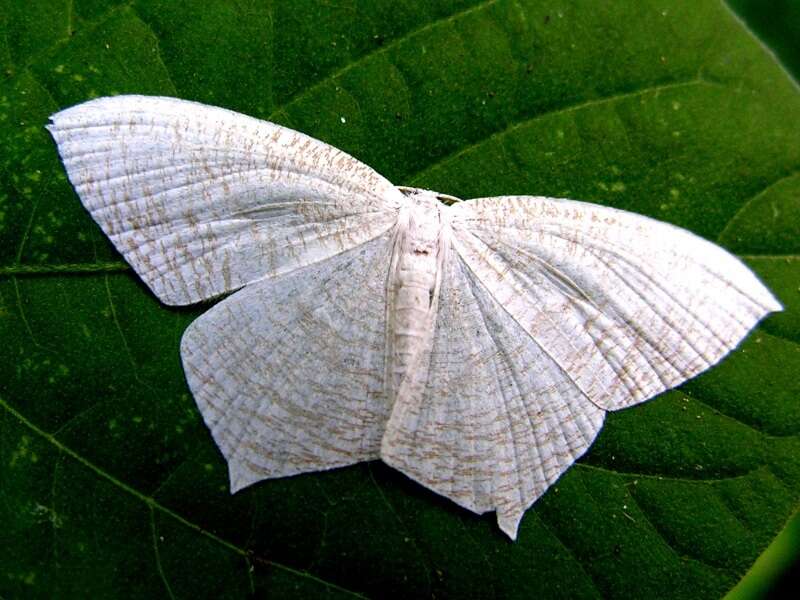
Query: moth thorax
point(424, 223)
point(420, 247)
point(423, 238)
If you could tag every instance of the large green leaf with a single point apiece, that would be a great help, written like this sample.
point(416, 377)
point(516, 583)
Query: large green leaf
point(111, 485)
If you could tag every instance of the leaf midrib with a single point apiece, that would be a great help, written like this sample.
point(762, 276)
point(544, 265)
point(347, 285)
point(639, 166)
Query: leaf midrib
point(38, 270)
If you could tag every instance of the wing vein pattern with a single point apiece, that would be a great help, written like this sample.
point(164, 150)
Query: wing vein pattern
point(202, 201)
point(627, 305)
point(288, 372)
point(493, 421)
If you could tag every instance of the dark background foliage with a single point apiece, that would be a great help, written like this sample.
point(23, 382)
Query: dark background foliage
point(777, 573)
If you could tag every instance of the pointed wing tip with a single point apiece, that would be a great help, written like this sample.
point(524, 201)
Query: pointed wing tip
point(761, 294)
point(54, 130)
point(774, 305)
point(69, 111)
point(509, 524)
point(769, 304)
point(240, 477)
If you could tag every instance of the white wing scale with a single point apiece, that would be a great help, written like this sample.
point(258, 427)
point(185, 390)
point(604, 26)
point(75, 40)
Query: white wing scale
point(489, 420)
point(627, 305)
point(552, 312)
point(201, 200)
point(288, 372)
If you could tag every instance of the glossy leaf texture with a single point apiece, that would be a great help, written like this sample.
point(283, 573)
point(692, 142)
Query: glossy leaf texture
point(111, 485)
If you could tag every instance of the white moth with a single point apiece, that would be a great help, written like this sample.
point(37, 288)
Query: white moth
point(475, 347)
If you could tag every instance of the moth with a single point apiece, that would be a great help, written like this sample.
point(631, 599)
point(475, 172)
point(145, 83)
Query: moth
point(475, 346)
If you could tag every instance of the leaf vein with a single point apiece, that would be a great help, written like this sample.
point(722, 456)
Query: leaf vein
point(67, 268)
point(86, 27)
point(151, 502)
point(158, 54)
point(123, 338)
point(731, 417)
point(670, 544)
point(157, 554)
point(24, 318)
point(423, 559)
point(365, 57)
point(659, 477)
point(417, 177)
point(593, 584)
point(748, 201)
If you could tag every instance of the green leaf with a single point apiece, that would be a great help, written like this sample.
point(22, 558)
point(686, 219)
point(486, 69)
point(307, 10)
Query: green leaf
point(110, 483)
point(778, 24)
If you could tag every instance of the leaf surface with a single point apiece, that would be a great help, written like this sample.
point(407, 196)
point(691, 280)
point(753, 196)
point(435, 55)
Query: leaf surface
point(109, 482)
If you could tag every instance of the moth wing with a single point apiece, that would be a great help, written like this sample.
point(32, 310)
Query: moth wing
point(627, 306)
point(288, 372)
point(487, 418)
point(201, 200)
